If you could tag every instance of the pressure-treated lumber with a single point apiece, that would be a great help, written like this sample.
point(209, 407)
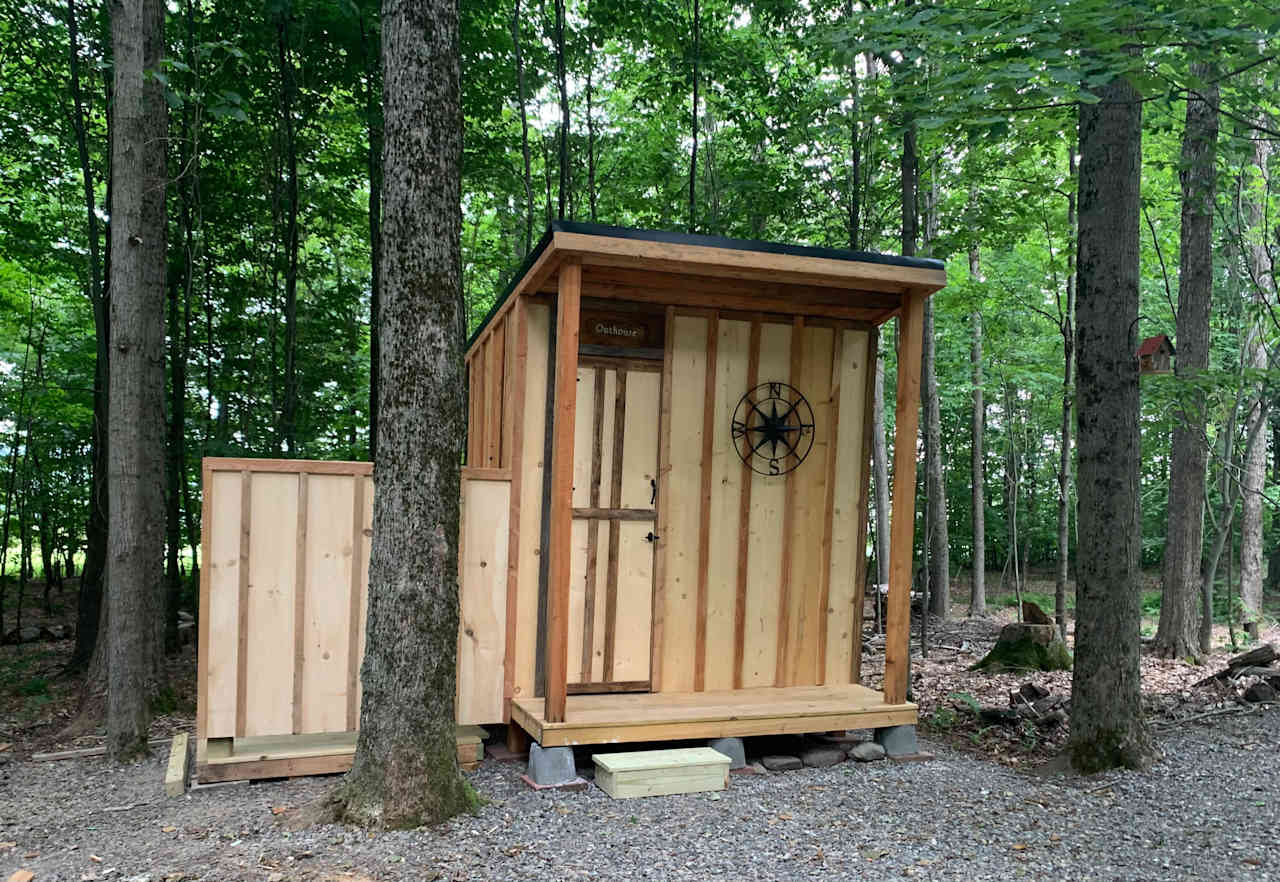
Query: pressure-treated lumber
point(902, 523)
point(668, 716)
point(561, 513)
point(661, 772)
point(175, 775)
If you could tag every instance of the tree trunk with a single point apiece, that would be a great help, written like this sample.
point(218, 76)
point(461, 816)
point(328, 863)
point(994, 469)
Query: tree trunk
point(287, 89)
point(1107, 728)
point(1068, 328)
point(562, 202)
point(1255, 458)
point(1177, 635)
point(89, 603)
point(935, 481)
point(978, 476)
point(880, 473)
point(373, 128)
point(136, 531)
point(693, 117)
point(405, 771)
point(524, 130)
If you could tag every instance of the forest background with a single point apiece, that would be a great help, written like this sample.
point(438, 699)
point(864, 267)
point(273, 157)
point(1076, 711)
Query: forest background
point(779, 120)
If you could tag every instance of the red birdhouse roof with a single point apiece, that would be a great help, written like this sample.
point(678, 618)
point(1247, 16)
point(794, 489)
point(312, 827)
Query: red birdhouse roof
point(1152, 345)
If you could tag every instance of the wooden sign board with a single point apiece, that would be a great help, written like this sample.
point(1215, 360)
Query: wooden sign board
point(605, 331)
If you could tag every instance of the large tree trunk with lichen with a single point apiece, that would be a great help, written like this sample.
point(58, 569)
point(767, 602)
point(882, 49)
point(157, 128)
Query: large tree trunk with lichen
point(1107, 728)
point(1177, 635)
point(135, 536)
point(405, 771)
point(1255, 458)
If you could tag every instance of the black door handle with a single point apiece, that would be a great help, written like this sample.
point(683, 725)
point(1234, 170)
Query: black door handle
point(653, 499)
point(650, 536)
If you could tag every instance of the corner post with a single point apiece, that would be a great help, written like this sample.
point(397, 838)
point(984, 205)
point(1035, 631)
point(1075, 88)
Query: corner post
point(561, 513)
point(897, 646)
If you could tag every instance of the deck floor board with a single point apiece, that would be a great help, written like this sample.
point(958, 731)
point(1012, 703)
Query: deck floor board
point(596, 719)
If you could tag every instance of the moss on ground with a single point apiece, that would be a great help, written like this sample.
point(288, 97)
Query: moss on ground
point(1025, 655)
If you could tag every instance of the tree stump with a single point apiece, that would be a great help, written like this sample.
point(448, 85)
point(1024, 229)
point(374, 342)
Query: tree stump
point(1026, 646)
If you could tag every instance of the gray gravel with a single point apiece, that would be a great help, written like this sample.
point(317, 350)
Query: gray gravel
point(1209, 810)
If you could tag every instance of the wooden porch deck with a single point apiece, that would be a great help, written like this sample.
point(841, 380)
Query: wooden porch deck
point(669, 716)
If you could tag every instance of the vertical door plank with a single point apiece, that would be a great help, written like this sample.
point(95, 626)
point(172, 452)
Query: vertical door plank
point(744, 522)
point(704, 494)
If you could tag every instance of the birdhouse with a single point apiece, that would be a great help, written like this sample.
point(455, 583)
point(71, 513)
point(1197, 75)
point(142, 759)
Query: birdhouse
point(1155, 355)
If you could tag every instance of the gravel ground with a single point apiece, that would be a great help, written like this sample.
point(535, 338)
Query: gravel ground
point(1208, 810)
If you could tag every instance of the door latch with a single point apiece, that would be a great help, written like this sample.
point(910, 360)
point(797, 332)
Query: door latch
point(653, 484)
point(651, 536)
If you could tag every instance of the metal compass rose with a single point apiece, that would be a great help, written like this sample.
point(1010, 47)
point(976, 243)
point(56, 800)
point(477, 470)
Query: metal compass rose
point(773, 428)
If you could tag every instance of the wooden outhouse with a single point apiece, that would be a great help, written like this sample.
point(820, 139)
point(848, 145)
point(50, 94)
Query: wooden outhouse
point(664, 513)
point(674, 431)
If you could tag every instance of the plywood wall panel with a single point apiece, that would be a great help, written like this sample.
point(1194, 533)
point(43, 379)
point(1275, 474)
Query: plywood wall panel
point(802, 666)
point(843, 615)
point(270, 614)
point(640, 451)
point(529, 551)
point(683, 504)
point(725, 503)
point(327, 587)
point(764, 526)
point(223, 565)
point(482, 595)
point(635, 611)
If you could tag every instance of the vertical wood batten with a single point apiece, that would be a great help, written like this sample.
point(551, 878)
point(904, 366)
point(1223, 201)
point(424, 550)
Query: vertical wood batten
point(704, 522)
point(496, 356)
point(593, 526)
point(515, 409)
point(902, 524)
point(828, 508)
point(664, 517)
point(864, 501)
point(615, 501)
point(202, 646)
point(358, 556)
point(744, 523)
point(561, 508)
point(784, 670)
point(300, 603)
point(242, 609)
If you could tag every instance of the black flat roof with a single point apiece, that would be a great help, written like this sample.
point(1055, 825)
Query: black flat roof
point(672, 238)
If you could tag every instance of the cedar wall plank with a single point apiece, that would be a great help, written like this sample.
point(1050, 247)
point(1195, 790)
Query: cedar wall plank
point(327, 607)
point(765, 522)
point(726, 493)
point(683, 504)
point(532, 438)
point(223, 566)
point(843, 616)
point(270, 613)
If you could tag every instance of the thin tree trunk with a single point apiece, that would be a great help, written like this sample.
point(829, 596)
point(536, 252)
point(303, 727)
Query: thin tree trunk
point(693, 116)
point(1255, 458)
point(524, 130)
point(1068, 329)
point(89, 602)
point(935, 482)
point(591, 123)
point(288, 88)
point(1177, 634)
point(853, 180)
point(977, 472)
point(880, 473)
point(373, 129)
point(562, 202)
point(136, 530)
point(1107, 727)
point(405, 770)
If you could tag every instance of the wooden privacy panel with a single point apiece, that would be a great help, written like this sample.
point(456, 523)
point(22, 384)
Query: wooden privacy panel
point(491, 381)
point(284, 590)
point(762, 574)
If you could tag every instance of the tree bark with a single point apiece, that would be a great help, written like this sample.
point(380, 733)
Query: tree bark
point(1255, 458)
point(880, 473)
point(524, 130)
point(1067, 326)
point(288, 88)
point(89, 602)
point(978, 591)
point(136, 531)
point(1107, 727)
point(935, 481)
point(1177, 635)
point(405, 771)
point(373, 129)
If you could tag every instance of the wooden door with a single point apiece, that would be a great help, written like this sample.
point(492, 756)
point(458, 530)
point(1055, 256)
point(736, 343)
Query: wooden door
point(615, 475)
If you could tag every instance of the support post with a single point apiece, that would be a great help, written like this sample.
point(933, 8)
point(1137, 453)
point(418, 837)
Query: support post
point(897, 646)
point(561, 513)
